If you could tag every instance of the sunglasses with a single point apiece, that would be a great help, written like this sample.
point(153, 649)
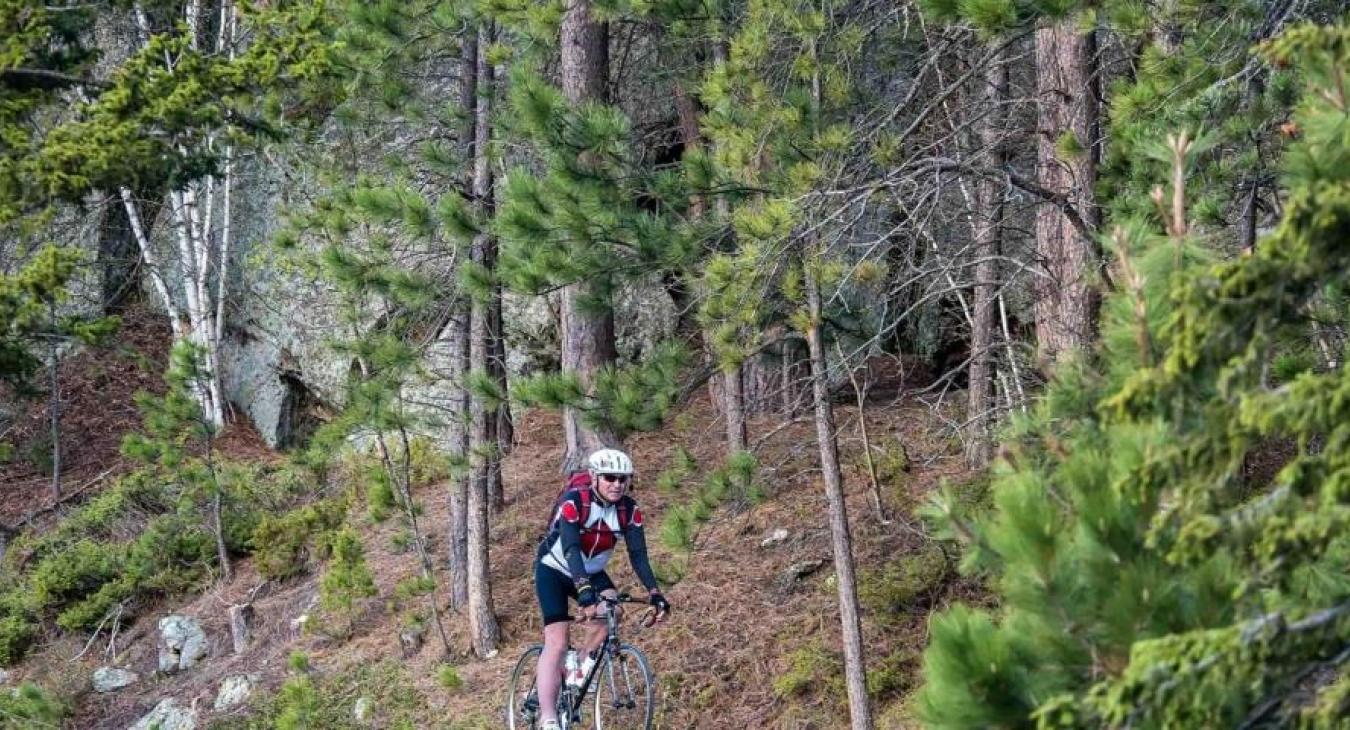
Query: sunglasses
point(620, 478)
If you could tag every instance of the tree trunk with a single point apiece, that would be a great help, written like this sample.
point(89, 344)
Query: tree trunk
point(458, 340)
point(793, 372)
point(486, 321)
point(459, 345)
point(1067, 154)
point(506, 426)
point(987, 227)
point(217, 523)
point(483, 452)
point(587, 325)
point(54, 399)
point(842, 543)
point(733, 406)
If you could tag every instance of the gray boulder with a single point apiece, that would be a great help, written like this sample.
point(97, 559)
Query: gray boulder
point(234, 691)
point(182, 643)
point(168, 715)
point(109, 679)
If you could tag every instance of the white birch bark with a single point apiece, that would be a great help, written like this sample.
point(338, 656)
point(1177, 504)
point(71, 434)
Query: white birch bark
point(202, 253)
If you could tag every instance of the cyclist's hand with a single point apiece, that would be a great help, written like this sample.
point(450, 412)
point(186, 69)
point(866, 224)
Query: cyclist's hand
point(661, 605)
point(587, 597)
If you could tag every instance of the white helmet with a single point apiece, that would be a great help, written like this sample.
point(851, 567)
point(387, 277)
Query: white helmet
point(609, 461)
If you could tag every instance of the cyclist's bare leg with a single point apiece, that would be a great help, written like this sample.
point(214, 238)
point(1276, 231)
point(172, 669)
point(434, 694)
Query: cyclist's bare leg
point(595, 630)
point(549, 674)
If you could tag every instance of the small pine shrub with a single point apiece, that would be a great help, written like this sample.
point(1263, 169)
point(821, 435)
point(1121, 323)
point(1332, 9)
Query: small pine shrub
point(298, 661)
point(283, 545)
point(30, 706)
point(16, 638)
point(448, 677)
point(380, 501)
point(677, 529)
point(428, 464)
point(347, 579)
point(298, 704)
point(418, 585)
point(72, 573)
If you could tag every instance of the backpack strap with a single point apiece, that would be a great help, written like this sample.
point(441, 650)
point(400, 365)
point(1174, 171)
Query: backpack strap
point(585, 493)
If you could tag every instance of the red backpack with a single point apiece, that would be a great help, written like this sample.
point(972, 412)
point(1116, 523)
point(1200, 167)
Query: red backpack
point(581, 481)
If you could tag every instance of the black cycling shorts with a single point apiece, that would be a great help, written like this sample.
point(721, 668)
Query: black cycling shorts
point(553, 589)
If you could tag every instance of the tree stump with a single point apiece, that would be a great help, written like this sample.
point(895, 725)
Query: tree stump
point(241, 625)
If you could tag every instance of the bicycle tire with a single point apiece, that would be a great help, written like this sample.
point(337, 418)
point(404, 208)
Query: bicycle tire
point(626, 695)
point(518, 688)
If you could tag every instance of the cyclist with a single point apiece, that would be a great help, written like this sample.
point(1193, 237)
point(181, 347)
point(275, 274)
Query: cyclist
point(587, 524)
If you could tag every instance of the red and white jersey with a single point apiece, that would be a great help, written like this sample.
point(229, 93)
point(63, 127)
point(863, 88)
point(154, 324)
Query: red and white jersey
point(601, 526)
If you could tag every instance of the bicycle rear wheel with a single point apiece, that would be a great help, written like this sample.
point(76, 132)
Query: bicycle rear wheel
point(522, 699)
point(626, 695)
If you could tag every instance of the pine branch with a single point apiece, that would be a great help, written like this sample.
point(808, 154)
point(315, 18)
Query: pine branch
point(29, 79)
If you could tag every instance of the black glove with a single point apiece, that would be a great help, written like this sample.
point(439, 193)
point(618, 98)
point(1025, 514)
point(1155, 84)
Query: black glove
point(587, 595)
point(660, 602)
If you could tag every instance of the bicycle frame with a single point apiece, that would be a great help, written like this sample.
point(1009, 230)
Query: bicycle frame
point(608, 647)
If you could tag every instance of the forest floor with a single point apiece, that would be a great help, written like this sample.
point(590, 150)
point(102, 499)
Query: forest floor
point(748, 645)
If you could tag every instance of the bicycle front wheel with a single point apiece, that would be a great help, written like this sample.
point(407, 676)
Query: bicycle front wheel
point(626, 695)
point(522, 699)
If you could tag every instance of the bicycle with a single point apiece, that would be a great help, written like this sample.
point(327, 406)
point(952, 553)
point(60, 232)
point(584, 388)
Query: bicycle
point(624, 688)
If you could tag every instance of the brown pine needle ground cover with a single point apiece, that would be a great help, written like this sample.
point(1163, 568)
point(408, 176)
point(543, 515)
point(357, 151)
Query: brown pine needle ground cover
point(746, 647)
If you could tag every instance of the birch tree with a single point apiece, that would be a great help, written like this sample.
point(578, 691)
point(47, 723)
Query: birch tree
point(198, 276)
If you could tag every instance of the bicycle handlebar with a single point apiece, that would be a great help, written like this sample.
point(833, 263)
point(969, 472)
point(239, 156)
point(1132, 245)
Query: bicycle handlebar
point(648, 617)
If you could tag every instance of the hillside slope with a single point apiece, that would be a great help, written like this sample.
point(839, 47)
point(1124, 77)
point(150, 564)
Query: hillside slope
point(748, 645)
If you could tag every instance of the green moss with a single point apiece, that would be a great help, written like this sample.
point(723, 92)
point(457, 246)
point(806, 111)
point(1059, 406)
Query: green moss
point(903, 584)
point(893, 675)
point(810, 669)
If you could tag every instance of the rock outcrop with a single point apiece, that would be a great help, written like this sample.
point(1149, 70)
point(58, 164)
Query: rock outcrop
point(168, 715)
point(111, 679)
point(182, 643)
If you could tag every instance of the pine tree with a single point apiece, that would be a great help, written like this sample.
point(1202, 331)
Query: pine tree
point(32, 330)
point(575, 225)
point(347, 579)
point(180, 440)
point(782, 146)
point(1146, 579)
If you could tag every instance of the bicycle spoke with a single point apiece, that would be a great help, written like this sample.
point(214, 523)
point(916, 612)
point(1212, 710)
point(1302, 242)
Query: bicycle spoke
point(522, 703)
point(624, 698)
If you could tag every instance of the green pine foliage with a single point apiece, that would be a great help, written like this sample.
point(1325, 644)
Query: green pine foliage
point(144, 536)
point(29, 705)
point(146, 124)
point(285, 544)
point(26, 299)
point(346, 580)
point(1144, 579)
point(626, 399)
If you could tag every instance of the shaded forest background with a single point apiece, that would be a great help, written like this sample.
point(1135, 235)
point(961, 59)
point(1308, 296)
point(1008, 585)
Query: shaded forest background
point(1042, 302)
